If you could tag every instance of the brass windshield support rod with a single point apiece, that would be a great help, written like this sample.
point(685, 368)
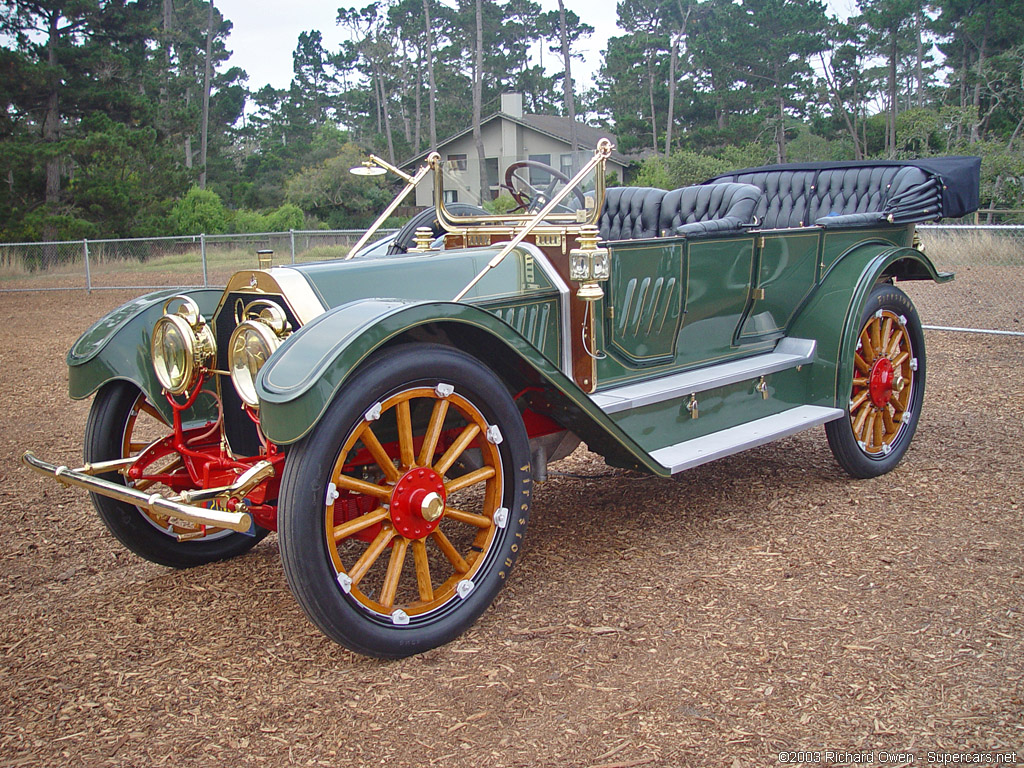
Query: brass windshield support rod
point(410, 185)
point(603, 151)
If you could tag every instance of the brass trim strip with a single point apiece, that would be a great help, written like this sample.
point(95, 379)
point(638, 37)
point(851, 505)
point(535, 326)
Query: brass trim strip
point(155, 503)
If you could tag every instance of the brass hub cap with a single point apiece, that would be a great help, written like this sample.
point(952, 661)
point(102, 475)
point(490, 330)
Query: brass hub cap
point(417, 503)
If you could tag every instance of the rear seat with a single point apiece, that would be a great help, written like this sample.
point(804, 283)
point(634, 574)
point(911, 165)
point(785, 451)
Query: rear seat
point(830, 197)
point(633, 213)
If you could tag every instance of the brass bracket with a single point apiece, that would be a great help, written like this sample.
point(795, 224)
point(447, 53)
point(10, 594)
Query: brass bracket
point(757, 294)
point(762, 387)
point(692, 407)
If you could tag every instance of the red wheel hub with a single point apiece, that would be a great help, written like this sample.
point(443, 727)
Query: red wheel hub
point(880, 382)
point(417, 503)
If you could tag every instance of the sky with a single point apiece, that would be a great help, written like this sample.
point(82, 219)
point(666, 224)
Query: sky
point(265, 33)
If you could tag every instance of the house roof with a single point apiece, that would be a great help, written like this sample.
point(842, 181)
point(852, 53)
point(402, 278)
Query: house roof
point(551, 125)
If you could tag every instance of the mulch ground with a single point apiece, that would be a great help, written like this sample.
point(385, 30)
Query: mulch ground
point(762, 603)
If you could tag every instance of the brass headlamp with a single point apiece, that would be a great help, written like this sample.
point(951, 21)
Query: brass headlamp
point(264, 326)
point(181, 346)
point(589, 265)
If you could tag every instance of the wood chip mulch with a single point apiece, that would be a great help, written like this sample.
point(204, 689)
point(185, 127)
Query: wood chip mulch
point(762, 603)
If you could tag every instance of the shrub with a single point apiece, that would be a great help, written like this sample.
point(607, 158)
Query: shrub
point(200, 211)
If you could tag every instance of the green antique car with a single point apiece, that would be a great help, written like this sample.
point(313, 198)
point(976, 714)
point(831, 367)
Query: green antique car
point(388, 413)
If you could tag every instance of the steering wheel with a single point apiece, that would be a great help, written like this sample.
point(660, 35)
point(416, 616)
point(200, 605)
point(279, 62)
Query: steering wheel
point(530, 198)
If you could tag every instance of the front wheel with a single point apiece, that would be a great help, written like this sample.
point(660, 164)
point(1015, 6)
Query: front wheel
point(403, 511)
point(122, 422)
point(888, 387)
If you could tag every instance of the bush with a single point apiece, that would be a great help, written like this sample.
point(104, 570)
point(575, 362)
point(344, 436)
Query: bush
point(200, 211)
point(503, 203)
point(288, 216)
point(681, 169)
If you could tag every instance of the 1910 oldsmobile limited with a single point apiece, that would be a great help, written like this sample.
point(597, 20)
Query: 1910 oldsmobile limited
point(388, 413)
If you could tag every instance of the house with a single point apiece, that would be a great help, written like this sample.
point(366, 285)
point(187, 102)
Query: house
point(510, 136)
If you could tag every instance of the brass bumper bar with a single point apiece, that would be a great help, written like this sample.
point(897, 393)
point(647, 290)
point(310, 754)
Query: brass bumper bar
point(155, 503)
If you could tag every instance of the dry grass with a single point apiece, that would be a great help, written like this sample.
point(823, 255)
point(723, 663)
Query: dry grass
point(760, 603)
point(952, 248)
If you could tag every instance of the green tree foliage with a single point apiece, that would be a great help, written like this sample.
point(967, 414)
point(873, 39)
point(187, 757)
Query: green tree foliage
point(100, 131)
point(199, 212)
point(334, 196)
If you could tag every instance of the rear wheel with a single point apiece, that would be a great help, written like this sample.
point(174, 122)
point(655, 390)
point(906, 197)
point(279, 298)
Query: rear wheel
point(403, 512)
point(888, 387)
point(122, 422)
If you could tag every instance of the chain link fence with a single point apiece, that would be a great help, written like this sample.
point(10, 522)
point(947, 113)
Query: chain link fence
point(158, 262)
point(986, 296)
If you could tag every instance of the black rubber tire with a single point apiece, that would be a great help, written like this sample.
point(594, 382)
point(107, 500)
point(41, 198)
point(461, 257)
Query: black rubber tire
point(308, 567)
point(104, 434)
point(852, 457)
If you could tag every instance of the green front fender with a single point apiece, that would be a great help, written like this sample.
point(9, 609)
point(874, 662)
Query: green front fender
point(833, 314)
point(117, 346)
point(305, 374)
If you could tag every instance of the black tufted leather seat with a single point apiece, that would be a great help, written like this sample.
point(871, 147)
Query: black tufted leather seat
point(839, 196)
point(708, 208)
point(630, 213)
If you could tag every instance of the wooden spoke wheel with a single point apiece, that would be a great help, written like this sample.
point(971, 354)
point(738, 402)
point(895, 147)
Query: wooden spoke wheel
point(887, 389)
point(123, 422)
point(414, 486)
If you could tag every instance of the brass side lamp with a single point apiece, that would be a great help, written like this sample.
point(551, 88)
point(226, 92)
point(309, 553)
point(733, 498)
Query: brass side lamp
point(589, 265)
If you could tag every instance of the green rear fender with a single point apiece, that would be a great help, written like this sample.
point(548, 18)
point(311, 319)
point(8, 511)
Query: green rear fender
point(833, 313)
point(306, 373)
point(117, 345)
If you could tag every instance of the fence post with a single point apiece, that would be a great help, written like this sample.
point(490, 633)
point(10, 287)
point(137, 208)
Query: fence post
point(291, 234)
point(88, 276)
point(202, 251)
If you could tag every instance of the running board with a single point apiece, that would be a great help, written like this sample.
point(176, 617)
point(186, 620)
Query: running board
point(750, 435)
point(788, 353)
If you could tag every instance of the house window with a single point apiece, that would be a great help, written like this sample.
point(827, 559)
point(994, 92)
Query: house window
point(456, 162)
point(539, 178)
point(491, 164)
point(451, 195)
point(565, 164)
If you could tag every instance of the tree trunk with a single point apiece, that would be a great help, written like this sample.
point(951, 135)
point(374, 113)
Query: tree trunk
point(387, 117)
point(430, 76)
point(406, 78)
point(478, 94)
point(976, 100)
point(890, 134)
point(670, 118)
point(780, 131)
point(919, 69)
point(208, 68)
point(51, 133)
point(418, 124)
point(650, 93)
point(840, 107)
point(567, 85)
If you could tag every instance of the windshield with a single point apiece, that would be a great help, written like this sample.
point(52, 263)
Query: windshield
point(512, 189)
